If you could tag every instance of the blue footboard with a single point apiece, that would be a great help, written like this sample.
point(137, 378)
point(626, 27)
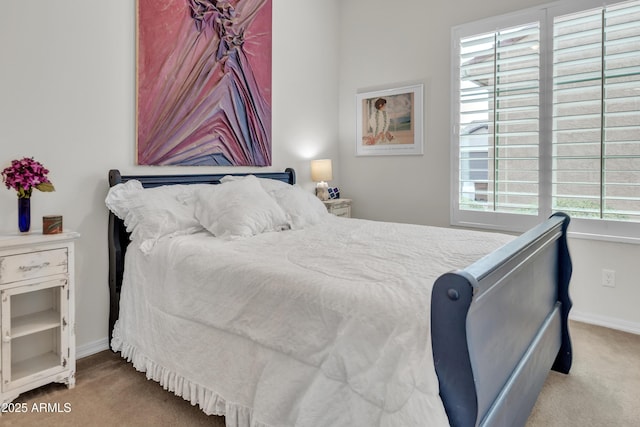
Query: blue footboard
point(500, 325)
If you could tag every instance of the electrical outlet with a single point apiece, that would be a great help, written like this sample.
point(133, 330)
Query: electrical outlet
point(609, 278)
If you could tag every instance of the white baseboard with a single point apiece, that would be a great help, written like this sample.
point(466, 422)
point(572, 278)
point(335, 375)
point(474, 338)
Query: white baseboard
point(92, 348)
point(607, 322)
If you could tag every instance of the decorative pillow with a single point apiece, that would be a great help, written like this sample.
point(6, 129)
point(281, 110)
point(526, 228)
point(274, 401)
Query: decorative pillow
point(152, 213)
point(269, 185)
point(238, 208)
point(301, 207)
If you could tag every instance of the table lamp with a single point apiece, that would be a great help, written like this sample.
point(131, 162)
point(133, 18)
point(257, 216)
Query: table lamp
point(321, 172)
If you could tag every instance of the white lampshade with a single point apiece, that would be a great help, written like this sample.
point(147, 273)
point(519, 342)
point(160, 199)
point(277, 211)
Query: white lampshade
point(321, 170)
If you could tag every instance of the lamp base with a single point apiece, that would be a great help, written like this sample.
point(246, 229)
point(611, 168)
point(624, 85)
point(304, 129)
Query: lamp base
point(322, 191)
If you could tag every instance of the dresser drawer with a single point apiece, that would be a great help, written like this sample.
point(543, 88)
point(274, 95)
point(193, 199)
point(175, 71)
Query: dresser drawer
point(32, 265)
point(339, 207)
point(341, 211)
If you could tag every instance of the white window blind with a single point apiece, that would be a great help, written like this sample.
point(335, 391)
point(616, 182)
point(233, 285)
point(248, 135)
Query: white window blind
point(546, 115)
point(596, 113)
point(498, 122)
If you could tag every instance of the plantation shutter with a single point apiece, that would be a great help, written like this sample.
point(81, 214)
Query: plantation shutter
point(498, 126)
point(596, 113)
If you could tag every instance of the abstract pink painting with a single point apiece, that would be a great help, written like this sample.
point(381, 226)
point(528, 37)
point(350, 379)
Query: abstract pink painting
point(204, 82)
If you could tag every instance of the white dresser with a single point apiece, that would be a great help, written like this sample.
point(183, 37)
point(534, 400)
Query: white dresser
point(339, 207)
point(37, 311)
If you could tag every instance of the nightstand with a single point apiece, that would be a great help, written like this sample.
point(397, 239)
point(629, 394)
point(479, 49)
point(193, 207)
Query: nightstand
point(38, 312)
point(339, 207)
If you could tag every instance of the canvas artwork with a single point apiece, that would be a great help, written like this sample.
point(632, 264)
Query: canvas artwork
point(204, 82)
point(389, 121)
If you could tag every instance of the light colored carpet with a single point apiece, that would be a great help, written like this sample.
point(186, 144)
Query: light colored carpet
point(603, 386)
point(601, 390)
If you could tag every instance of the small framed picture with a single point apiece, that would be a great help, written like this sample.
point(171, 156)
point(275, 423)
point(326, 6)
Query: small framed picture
point(389, 122)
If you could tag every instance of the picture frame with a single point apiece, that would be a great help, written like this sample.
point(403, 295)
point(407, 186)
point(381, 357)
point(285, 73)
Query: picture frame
point(390, 121)
point(204, 83)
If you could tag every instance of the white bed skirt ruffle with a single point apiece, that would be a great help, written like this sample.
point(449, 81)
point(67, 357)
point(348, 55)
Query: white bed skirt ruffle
point(210, 402)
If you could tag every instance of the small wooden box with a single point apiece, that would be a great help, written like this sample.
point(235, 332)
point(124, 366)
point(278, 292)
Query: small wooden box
point(51, 224)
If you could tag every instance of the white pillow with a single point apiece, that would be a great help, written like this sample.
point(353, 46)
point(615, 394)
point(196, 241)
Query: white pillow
point(269, 185)
point(152, 213)
point(238, 208)
point(301, 207)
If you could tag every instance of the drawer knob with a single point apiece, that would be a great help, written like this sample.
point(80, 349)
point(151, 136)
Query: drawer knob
point(6, 337)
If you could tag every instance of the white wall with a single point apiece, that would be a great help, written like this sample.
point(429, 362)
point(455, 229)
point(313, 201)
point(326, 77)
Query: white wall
point(67, 92)
point(67, 98)
point(593, 303)
point(408, 41)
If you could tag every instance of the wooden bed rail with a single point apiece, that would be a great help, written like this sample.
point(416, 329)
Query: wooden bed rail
point(499, 325)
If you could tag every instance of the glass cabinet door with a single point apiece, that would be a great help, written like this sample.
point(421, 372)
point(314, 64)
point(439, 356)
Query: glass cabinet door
point(34, 331)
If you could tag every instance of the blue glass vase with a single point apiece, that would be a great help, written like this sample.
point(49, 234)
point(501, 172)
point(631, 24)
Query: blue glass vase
point(24, 214)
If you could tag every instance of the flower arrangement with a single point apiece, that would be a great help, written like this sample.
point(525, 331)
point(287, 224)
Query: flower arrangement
point(26, 174)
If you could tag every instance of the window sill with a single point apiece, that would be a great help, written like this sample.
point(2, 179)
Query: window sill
point(579, 228)
point(602, 237)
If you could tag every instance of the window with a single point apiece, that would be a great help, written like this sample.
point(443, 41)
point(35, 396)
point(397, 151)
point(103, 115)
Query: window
point(596, 113)
point(547, 118)
point(499, 94)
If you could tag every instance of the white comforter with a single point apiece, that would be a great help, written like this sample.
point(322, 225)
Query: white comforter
point(327, 326)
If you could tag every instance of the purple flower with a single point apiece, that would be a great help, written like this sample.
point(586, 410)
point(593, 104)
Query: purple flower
point(26, 174)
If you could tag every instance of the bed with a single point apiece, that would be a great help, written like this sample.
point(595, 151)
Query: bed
point(493, 324)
